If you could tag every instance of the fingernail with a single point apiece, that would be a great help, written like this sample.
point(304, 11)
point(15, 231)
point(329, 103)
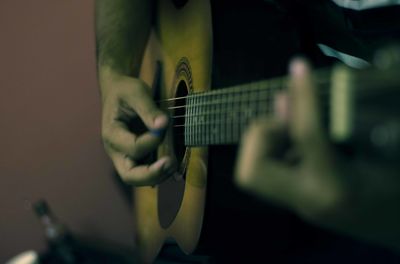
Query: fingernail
point(160, 121)
point(298, 67)
point(160, 164)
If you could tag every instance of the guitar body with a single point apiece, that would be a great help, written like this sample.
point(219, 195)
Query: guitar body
point(181, 41)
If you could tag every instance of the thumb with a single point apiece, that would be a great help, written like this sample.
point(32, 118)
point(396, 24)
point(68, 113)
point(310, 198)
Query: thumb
point(139, 99)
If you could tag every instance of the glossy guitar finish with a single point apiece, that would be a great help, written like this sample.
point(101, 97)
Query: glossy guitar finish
point(182, 41)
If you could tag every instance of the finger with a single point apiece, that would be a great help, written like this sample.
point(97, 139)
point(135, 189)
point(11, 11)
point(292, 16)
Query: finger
point(144, 174)
point(140, 100)
point(257, 170)
point(305, 118)
point(281, 106)
point(120, 139)
point(257, 146)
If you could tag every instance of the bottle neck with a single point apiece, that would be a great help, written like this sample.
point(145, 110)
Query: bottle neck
point(54, 230)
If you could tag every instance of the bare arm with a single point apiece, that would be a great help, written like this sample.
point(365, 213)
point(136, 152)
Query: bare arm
point(122, 29)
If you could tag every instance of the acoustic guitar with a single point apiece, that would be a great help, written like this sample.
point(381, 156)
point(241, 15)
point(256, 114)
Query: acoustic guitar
point(177, 64)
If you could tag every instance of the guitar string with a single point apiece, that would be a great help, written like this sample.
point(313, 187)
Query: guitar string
point(270, 93)
point(243, 102)
point(227, 121)
point(196, 129)
point(227, 110)
point(201, 128)
point(264, 96)
point(244, 99)
point(247, 87)
point(234, 119)
point(320, 76)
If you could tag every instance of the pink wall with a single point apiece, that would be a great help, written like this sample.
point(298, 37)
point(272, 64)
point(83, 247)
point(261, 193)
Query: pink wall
point(50, 126)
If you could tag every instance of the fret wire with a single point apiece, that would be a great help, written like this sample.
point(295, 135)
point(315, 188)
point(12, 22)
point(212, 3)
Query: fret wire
point(186, 122)
point(204, 126)
point(207, 135)
point(212, 130)
point(215, 131)
point(197, 106)
point(207, 98)
point(241, 114)
point(190, 100)
point(201, 125)
point(231, 115)
point(199, 131)
point(221, 126)
point(191, 121)
point(194, 121)
point(234, 116)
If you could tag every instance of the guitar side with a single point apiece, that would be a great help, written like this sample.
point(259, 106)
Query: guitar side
point(179, 33)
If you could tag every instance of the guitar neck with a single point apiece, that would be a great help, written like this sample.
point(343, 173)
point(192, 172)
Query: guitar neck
point(221, 116)
point(356, 107)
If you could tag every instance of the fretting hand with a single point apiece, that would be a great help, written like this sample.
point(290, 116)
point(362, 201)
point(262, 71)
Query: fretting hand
point(289, 159)
point(303, 177)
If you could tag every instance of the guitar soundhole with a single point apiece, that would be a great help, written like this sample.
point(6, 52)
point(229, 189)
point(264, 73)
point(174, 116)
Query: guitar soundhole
point(179, 3)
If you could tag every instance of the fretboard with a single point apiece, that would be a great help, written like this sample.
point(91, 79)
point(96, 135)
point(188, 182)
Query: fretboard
point(221, 116)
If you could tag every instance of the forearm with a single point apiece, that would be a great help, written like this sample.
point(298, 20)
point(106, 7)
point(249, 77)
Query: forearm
point(122, 28)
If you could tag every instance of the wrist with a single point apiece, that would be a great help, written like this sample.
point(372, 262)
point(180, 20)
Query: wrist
point(107, 76)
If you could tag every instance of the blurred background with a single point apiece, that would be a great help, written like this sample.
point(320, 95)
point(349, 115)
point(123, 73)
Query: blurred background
point(50, 143)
